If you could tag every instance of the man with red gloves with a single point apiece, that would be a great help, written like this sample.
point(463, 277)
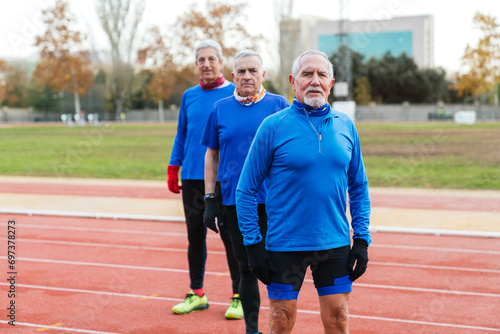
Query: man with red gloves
point(197, 103)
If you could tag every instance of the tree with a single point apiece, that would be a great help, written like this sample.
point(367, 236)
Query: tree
point(436, 87)
point(161, 83)
point(223, 23)
point(362, 91)
point(394, 80)
point(64, 65)
point(120, 23)
point(172, 67)
point(43, 98)
point(482, 62)
point(357, 68)
point(17, 87)
point(4, 69)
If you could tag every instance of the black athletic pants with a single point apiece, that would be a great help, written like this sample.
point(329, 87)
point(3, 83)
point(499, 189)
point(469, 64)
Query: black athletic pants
point(249, 286)
point(194, 206)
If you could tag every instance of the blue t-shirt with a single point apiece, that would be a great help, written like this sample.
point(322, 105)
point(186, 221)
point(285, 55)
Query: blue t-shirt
point(230, 129)
point(309, 172)
point(195, 108)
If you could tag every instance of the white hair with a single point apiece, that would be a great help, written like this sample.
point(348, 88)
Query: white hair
point(295, 66)
point(209, 43)
point(247, 53)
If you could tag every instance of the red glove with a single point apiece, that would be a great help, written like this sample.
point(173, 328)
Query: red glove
point(173, 178)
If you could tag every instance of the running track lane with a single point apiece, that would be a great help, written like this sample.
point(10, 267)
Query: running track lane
point(124, 277)
point(401, 200)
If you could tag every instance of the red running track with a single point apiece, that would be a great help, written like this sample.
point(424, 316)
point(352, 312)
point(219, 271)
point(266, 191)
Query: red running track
point(109, 276)
point(406, 201)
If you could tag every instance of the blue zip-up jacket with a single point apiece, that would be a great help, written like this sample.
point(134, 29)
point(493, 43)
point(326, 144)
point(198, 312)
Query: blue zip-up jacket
point(309, 169)
point(231, 128)
point(187, 150)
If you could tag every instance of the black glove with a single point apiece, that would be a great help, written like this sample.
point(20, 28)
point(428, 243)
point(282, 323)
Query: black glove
point(212, 210)
point(260, 262)
point(359, 253)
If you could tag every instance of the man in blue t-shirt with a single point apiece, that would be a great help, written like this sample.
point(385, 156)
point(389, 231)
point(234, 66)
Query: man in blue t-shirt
point(197, 102)
point(310, 157)
point(229, 132)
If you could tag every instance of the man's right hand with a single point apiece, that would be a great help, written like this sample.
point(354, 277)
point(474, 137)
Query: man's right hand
point(173, 178)
point(260, 263)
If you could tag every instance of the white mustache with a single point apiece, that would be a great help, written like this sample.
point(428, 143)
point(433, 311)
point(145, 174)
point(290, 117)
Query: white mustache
point(310, 88)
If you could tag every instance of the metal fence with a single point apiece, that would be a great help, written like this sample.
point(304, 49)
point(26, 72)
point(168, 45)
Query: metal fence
point(422, 112)
point(19, 115)
point(372, 113)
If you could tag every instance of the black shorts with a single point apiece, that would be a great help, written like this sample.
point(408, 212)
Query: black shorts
point(329, 271)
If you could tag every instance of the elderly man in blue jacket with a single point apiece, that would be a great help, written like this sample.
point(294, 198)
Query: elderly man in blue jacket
point(311, 158)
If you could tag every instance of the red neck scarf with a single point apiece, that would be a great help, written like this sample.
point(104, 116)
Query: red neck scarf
point(220, 80)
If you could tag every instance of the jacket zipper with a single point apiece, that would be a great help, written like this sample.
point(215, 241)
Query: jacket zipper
point(317, 134)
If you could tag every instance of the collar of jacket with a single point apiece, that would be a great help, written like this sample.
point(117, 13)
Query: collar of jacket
point(297, 109)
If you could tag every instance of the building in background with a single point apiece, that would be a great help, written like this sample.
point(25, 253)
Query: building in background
point(413, 35)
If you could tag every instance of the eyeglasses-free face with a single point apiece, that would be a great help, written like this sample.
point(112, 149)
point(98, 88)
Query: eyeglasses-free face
point(208, 65)
point(313, 84)
point(248, 75)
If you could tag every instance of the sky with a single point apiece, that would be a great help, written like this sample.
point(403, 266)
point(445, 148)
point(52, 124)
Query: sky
point(20, 21)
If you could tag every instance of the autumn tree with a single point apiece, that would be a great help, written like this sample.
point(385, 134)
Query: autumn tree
point(223, 22)
point(160, 85)
point(17, 84)
point(13, 85)
point(4, 68)
point(482, 63)
point(120, 20)
point(64, 64)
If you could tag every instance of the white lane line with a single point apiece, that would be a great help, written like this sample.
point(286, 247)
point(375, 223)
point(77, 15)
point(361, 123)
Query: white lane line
point(75, 243)
point(116, 216)
point(107, 265)
point(263, 307)
point(407, 288)
point(438, 232)
point(426, 266)
point(96, 215)
point(410, 265)
point(436, 249)
point(91, 244)
point(104, 230)
point(177, 234)
point(76, 330)
point(106, 293)
point(428, 323)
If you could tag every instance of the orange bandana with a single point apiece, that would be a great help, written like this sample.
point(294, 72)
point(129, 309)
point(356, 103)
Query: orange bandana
point(249, 100)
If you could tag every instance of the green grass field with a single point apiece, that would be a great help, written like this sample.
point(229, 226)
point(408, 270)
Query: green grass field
point(432, 155)
point(425, 155)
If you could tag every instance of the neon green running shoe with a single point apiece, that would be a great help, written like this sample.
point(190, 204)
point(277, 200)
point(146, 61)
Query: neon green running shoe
point(235, 310)
point(192, 303)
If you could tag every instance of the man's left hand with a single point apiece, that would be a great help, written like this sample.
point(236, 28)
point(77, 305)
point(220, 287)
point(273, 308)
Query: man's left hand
point(358, 254)
point(212, 211)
